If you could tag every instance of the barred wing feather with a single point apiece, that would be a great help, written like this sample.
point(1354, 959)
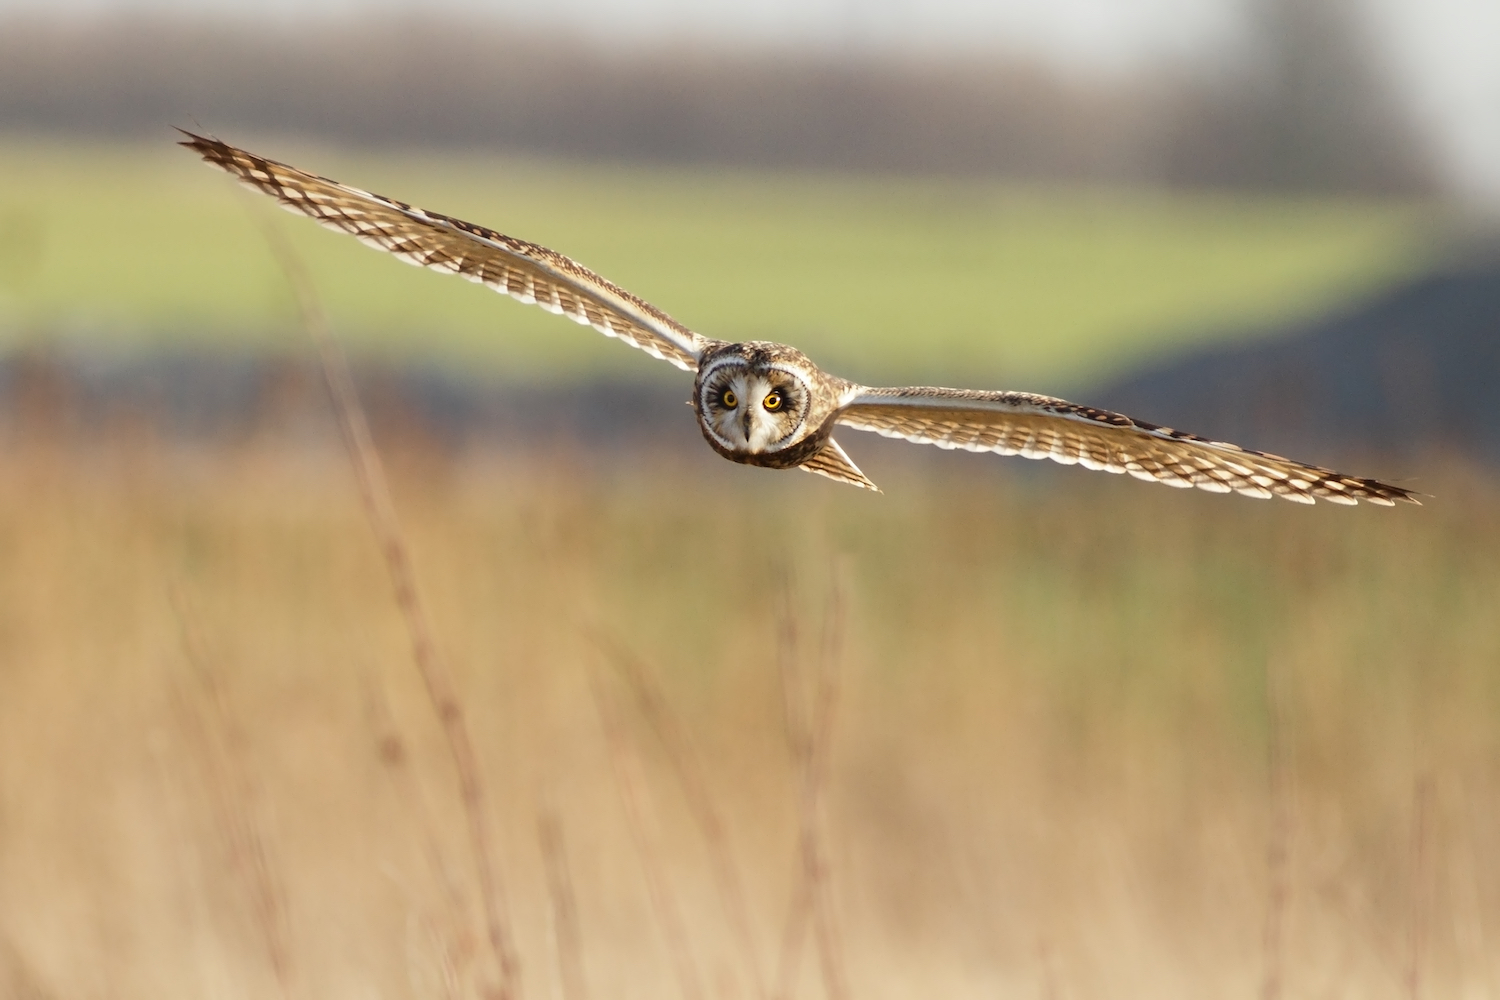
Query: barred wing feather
point(525, 271)
point(1015, 423)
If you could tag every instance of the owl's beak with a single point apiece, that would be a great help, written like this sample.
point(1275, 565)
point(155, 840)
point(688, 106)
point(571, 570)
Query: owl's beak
point(745, 423)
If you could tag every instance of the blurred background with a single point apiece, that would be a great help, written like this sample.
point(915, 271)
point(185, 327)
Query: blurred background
point(691, 728)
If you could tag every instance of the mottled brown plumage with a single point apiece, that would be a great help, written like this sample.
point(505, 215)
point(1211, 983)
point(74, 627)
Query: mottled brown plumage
point(766, 404)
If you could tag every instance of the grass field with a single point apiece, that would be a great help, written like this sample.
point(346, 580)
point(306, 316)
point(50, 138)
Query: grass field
point(963, 282)
point(736, 734)
point(1109, 740)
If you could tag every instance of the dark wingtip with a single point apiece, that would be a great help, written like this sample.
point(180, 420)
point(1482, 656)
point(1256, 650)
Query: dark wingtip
point(201, 144)
point(1403, 494)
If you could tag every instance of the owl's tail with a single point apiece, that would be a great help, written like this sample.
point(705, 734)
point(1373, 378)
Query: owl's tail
point(831, 461)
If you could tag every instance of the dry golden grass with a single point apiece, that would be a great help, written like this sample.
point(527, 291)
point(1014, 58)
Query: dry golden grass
point(1046, 747)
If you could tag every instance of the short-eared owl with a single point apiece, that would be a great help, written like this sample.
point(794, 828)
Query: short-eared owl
point(766, 404)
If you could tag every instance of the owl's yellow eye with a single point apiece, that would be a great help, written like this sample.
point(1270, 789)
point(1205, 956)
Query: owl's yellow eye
point(729, 399)
point(773, 401)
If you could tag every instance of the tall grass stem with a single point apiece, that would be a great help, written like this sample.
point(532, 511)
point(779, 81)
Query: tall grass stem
point(641, 820)
point(687, 765)
point(375, 493)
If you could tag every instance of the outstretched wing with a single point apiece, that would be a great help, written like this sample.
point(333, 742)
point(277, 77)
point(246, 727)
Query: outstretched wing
point(524, 271)
point(1017, 423)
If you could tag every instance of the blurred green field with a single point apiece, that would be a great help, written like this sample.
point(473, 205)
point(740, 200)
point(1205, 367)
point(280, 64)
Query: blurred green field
point(886, 279)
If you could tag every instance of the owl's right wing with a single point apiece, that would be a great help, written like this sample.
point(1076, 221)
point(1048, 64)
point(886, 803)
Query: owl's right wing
point(525, 271)
point(1017, 423)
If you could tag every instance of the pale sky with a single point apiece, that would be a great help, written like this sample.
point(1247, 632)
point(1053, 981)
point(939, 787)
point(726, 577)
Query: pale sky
point(1445, 53)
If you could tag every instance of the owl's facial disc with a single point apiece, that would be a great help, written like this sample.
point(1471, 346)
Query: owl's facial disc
point(753, 410)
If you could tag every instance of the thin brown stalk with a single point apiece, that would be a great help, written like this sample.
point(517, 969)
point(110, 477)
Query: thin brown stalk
point(815, 851)
point(455, 943)
point(441, 690)
point(1470, 802)
point(811, 739)
point(209, 723)
point(1278, 845)
point(687, 765)
point(448, 976)
point(794, 709)
point(1421, 886)
point(566, 931)
point(793, 695)
point(794, 932)
point(638, 816)
point(1051, 990)
point(17, 978)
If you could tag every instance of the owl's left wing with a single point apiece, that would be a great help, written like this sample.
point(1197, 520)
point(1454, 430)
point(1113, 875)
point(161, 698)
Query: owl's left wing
point(525, 271)
point(1017, 423)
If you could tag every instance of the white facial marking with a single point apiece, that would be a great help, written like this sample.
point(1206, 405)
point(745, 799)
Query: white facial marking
point(737, 414)
point(747, 425)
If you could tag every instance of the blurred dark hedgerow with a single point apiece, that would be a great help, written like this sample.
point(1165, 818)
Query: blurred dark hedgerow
point(1395, 384)
point(1303, 106)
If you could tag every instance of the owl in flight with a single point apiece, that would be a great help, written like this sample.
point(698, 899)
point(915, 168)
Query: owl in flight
point(766, 404)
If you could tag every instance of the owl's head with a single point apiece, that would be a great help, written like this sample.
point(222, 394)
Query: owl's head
point(755, 399)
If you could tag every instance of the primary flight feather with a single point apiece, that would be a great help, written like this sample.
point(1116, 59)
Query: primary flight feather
point(762, 403)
